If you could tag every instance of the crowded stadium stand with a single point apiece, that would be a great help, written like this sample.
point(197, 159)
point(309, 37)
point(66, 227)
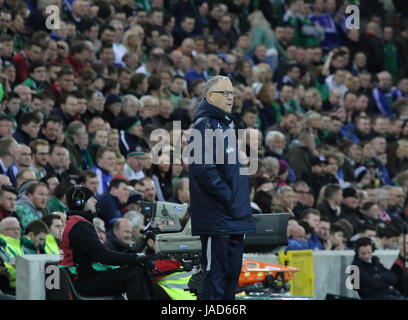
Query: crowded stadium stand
point(85, 84)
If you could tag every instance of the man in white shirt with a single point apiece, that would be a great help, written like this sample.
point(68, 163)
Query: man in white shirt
point(336, 80)
point(118, 48)
point(150, 66)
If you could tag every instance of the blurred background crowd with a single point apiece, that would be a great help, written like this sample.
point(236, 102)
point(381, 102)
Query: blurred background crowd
point(328, 104)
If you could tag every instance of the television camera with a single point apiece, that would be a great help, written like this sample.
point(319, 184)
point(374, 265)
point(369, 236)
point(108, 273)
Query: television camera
point(163, 219)
point(172, 230)
point(167, 224)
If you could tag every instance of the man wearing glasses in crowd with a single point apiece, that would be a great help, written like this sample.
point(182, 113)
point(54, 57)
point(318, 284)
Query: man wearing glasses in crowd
point(41, 150)
point(305, 198)
point(220, 204)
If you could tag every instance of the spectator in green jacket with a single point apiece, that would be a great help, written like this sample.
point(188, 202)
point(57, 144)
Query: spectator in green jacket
point(37, 79)
point(34, 237)
point(32, 205)
point(390, 53)
point(58, 202)
point(262, 33)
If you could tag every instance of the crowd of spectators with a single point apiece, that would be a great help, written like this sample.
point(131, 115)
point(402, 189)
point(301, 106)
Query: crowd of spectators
point(328, 105)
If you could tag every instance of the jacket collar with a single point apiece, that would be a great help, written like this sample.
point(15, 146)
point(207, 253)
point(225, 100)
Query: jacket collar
point(207, 109)
point(12, 241)
point(87, 215)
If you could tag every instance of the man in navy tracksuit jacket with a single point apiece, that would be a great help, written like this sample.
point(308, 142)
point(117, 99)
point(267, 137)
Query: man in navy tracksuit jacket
point(220, 204)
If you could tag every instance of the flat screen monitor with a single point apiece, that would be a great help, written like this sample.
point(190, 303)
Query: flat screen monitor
point(271, 232)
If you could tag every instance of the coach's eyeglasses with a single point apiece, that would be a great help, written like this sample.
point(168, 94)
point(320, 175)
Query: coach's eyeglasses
point(226, 93)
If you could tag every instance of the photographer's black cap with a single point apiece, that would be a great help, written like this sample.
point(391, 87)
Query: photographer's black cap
point(77, 196)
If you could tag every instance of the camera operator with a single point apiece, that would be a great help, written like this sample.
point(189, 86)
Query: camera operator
point(92, 264)
point(140, 239)
point(171, 275)
point(120, 236)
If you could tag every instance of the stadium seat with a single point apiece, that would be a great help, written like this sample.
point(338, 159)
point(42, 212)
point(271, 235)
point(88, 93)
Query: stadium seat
point(67, 290)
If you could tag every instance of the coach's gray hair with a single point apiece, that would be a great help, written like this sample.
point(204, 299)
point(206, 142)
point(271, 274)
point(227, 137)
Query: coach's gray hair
point(211, 83)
